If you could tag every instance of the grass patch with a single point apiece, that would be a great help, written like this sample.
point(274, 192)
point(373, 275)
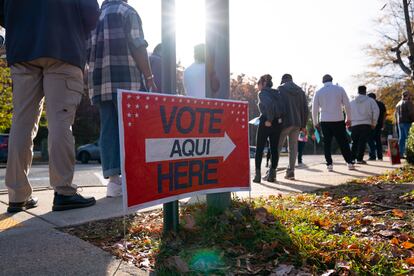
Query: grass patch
point(364, 227)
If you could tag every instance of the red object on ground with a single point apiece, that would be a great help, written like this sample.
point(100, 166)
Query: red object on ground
point(174, 147)
point(394, 151)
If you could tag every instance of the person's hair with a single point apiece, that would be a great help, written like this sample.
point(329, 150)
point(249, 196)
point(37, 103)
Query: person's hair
point(372, 95)
point(157, 50)
point(362, 89)
point(200, 53)
point(286, 78)
point(266, 81)
point(327, 78)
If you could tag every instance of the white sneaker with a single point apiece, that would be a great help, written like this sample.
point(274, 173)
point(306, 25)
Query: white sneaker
point(330, 168)
point(113, 190)
point(351, 167)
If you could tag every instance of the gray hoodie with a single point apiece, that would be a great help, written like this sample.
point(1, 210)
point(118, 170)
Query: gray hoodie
point(364, 111)
point(296, 105)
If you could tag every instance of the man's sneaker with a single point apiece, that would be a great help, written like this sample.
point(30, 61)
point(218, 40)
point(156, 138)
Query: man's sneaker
point(330, 168)
point(351, 167)
point(113, 190)
point(63, 202)
point(290, 175)
point(362, 162)
point(15, 207)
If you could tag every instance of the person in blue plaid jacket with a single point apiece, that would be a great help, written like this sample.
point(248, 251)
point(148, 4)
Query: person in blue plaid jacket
point(117, 59)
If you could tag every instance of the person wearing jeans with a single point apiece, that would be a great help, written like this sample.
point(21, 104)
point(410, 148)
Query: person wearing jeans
point(117, 57)
point(404, 116)
point(374, 141)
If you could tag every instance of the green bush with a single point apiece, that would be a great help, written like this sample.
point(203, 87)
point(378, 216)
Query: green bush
point(409, 148)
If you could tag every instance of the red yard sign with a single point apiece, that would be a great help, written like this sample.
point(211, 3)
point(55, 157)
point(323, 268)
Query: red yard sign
point(174, 147)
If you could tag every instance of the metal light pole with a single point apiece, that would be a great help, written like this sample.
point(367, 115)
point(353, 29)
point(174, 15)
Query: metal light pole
point(218, 71)
point(169, 83)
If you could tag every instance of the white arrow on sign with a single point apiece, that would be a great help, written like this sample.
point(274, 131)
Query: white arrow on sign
point(165, 149)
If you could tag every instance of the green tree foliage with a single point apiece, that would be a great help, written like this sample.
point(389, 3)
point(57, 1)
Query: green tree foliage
point(6, 107)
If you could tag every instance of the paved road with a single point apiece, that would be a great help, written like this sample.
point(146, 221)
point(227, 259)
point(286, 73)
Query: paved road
point(85, 175)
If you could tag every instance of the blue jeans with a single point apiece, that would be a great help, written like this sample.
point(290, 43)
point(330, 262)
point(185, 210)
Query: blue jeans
point(109, 138)
point(404, 129)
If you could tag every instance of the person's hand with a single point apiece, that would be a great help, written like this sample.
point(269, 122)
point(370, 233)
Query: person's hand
point(151, 86)
point(318, 126)
point(348, 123)
point(372, 126)
point(268, 123)
point(303, 129)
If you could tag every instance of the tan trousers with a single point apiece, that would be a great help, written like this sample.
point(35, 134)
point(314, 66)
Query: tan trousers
point(61, 85)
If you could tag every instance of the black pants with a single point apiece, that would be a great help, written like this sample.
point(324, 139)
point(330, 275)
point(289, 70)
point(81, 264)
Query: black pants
point(375, 144)
point(337, 130)
point(263, 133)
point(360, 135)
point(301, 146)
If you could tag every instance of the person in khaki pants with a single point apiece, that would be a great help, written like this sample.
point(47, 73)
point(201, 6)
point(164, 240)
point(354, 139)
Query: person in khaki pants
point(47, 64)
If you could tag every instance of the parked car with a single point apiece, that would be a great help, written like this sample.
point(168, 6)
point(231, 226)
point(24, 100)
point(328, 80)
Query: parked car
point(88, 153)
point(253, 151)
point(4, 145)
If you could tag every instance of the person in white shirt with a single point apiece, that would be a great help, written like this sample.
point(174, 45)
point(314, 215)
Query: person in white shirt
point(195, 75)
point(329, 102)
point(365, 112)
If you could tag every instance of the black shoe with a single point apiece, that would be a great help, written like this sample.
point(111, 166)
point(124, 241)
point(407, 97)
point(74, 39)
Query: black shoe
point(15, 207)
point(372, 158)
point(62, 202)
point(361, 162)
point(271, 177)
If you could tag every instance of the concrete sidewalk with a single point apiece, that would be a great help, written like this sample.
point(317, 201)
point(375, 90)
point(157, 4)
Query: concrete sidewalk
point(30, 243)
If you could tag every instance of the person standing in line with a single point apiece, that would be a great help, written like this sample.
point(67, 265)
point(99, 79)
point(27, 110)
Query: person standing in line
point(46, 64)
point(364, 113)
point(303, 138)
point(329, 102)
point(374, 141)
point(270, 126)
point(294, 121)
point(117, 59)
point(155, 60)
point(404, 116)
point(195, 75)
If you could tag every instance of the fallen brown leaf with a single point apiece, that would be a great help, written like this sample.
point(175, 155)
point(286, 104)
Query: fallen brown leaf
point(398, 213)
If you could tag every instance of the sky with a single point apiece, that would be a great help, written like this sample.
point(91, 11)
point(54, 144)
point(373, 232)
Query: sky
point(304, 38)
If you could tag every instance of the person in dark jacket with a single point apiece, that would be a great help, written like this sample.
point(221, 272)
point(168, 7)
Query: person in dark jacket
point(46, 50)
point(404, 116)
point(270, 126)
point(294, 121)
point(374, 142)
